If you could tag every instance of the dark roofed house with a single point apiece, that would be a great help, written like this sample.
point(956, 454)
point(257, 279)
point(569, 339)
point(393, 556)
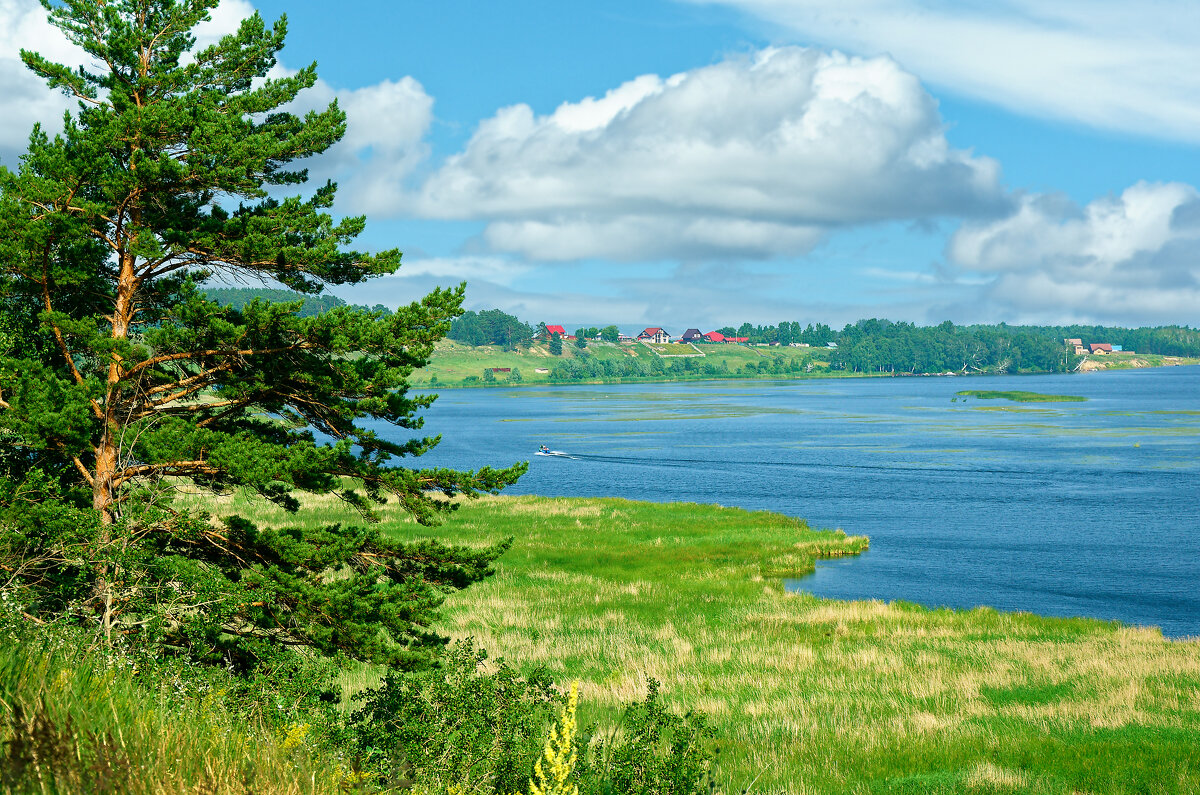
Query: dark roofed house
point(692, 335)
point(655, 334)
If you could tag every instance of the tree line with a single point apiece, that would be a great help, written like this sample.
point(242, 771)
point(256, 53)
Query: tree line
point(237, 298)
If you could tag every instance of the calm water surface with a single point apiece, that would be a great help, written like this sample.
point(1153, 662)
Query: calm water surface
point(1062, 509)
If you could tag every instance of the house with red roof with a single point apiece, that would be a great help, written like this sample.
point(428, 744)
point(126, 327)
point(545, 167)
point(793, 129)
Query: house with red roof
point(714, 336)
point(552, 330)
point(655, 334)
point(1101, 347)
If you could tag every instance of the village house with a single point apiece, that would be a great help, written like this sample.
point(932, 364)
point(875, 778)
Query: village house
point(1102, 348)
point(692, 335)
point(713, 336)
point(654, 335)
point(552, 330)
point(1076, 345)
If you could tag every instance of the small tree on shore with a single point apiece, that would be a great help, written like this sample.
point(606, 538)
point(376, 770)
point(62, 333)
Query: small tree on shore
point(119, 379)
point(556, 344)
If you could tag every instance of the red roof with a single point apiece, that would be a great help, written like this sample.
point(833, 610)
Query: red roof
point(559, 330)
point(1101, 346)
point(715, 336)
point(650, 332)
point(737, 339)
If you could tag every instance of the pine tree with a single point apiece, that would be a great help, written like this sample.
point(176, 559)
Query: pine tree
point(119, 378)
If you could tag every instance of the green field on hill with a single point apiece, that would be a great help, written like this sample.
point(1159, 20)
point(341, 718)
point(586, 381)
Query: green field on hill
point(811, 695)
point(453, 362)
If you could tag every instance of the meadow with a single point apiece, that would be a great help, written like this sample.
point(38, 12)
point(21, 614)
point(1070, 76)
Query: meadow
point(453, 362)
point(811, 695)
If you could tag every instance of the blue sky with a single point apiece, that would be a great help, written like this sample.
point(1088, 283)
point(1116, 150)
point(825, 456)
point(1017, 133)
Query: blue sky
point(704, 163)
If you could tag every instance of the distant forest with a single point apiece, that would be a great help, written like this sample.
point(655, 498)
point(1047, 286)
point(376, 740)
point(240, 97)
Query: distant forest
point(312, 305)
point(866, 346)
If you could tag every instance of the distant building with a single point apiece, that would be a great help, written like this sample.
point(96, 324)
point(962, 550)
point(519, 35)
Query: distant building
point(714, 336)
point(655, 334)
point(692, 335)
point(831, 345)
point(1101, 348)
point(552, 330)
point(1076, 345)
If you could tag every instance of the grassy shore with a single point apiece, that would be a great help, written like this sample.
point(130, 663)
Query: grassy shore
point(812, 695)
point(1018, 396)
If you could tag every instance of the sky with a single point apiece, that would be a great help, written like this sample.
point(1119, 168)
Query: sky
point(702, 163)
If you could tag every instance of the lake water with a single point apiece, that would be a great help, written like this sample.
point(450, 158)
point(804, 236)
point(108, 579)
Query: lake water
point(1064, 509)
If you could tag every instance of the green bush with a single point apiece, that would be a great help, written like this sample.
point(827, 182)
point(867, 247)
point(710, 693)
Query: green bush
point(461, 728)
point(652, 752)
point(458, 726)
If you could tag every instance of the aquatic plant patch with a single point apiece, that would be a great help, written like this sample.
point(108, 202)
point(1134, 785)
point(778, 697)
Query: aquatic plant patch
point(1020, 397)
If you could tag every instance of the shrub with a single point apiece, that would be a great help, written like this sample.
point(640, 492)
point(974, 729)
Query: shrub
point(652, 752)
point(463, 729)
point(458, 726)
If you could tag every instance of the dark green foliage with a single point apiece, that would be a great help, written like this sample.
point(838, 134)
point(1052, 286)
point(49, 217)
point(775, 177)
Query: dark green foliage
point(555, 345)
point(490, 327)
point(120, 379)
point(883, 346)
point(653, 752)
point(458, 725)
point(610, 334)
point(463, 726)
point(581, 338)
point(310, 305)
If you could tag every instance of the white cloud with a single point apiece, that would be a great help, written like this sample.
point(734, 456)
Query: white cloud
point(1108, 63)
point(497, 270)
point(24, 98)
point(385, 140)
point(751, 157)
point(1127, 259)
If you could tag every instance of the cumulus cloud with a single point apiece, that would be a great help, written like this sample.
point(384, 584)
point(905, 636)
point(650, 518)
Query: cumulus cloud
point(24, 98)
point(752, 157)
point(385, 141)
point(1108, 63)
point(1128, 259)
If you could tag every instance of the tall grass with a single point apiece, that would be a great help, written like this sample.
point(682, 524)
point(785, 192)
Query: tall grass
point(77, 722)
point(812, 695)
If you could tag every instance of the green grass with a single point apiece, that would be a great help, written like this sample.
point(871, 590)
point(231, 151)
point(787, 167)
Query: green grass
point(1021, 397)
point(73, 722)
point(452, 361)
point(812, 695)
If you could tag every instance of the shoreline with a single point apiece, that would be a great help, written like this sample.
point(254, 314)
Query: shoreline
point(835, 375)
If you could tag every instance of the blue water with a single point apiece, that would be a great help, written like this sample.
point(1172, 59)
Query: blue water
point(1067, 509)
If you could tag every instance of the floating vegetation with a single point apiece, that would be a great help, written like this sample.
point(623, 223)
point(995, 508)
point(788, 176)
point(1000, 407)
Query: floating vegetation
point(1020, 397)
